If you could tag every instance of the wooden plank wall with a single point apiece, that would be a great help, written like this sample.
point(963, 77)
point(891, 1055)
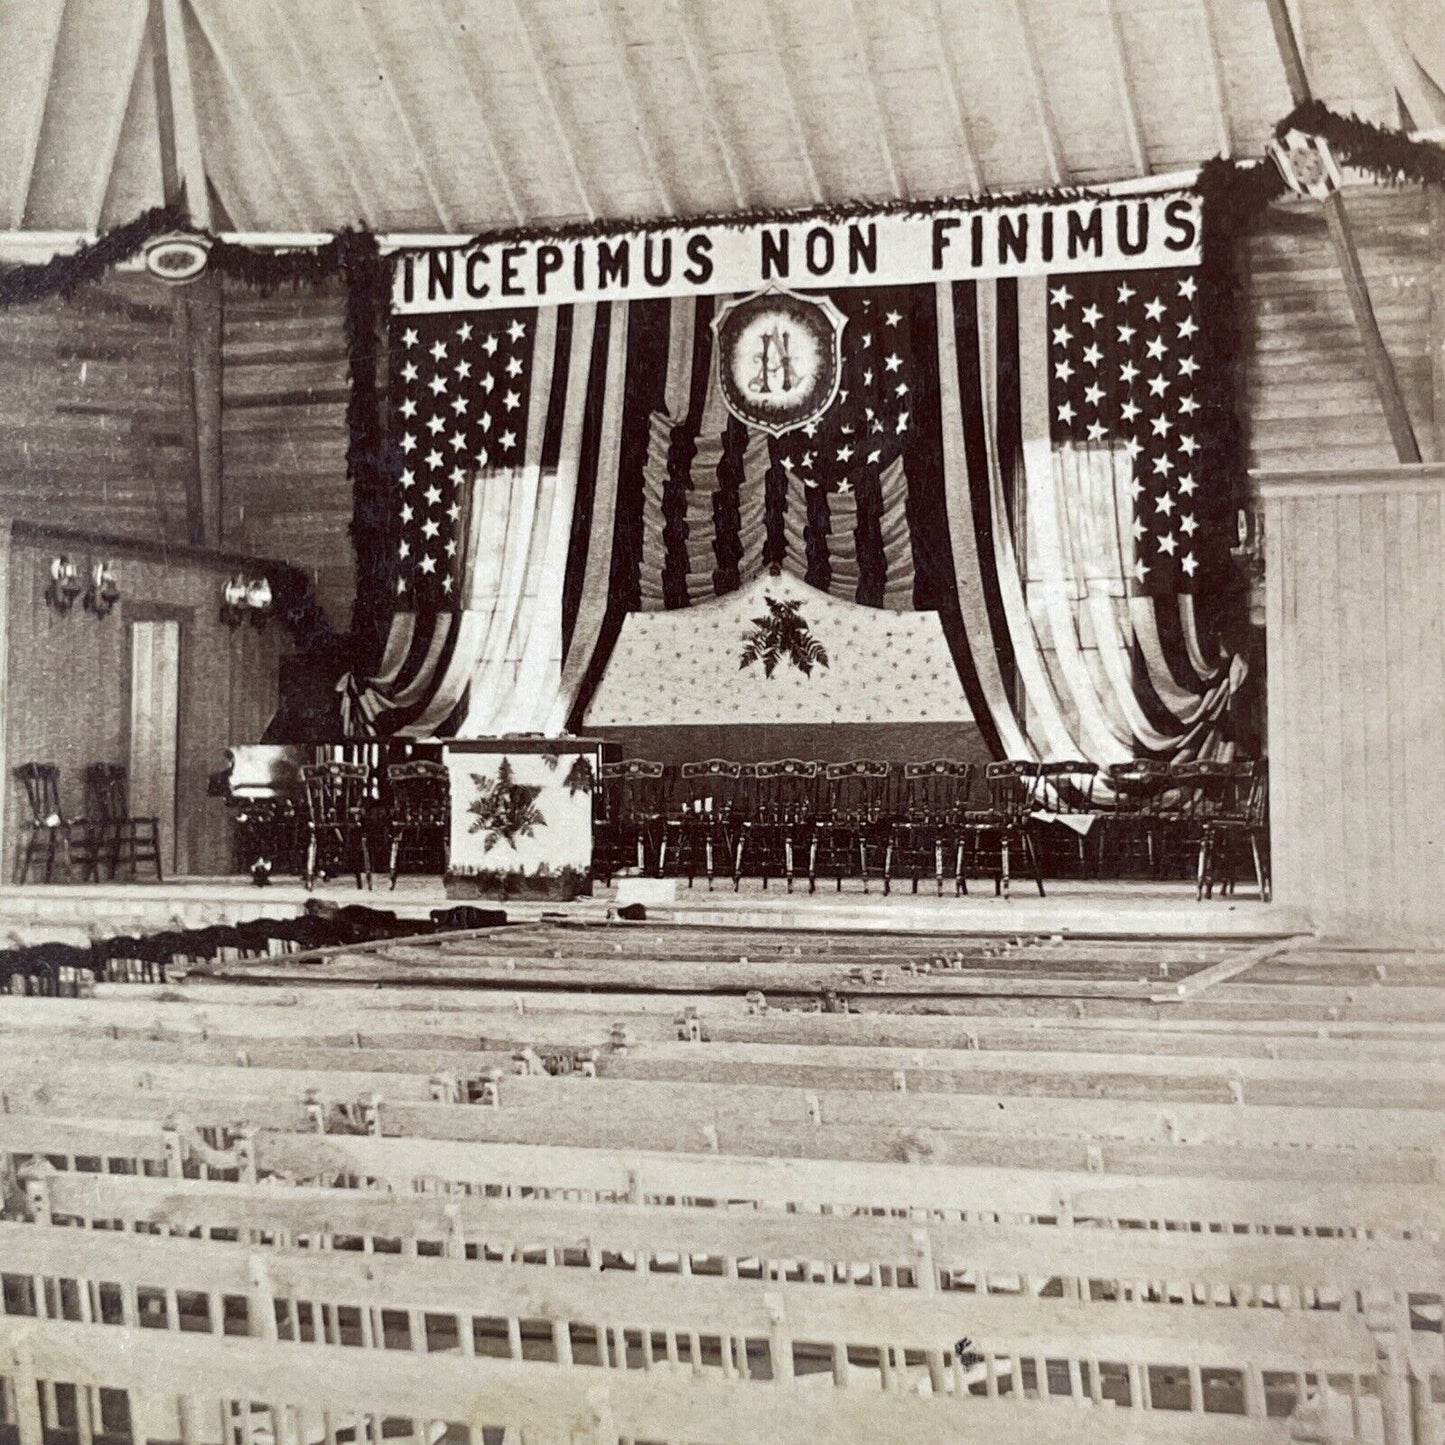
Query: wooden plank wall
point(68, 692)
point(1309, 398)
point(93, 431)
point(1356, 630)
point(91, 427)
point(283, 425)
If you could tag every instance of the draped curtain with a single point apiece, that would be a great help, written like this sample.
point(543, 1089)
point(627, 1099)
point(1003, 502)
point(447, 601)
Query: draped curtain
point(639, 490)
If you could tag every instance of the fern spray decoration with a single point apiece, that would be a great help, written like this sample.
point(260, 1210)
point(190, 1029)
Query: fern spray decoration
point(782, 635)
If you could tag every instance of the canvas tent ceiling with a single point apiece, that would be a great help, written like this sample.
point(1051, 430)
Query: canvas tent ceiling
point(451, 115)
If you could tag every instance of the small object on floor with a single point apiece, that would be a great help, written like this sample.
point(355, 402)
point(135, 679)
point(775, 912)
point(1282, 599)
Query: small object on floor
point(261, 872)
point(633, 913)
point(465, 916)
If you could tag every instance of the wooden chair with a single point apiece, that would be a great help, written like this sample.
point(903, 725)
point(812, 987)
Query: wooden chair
point(1195, 793)
point(852, 823)
point(337, 819)
point(703, 821)
point(418, 813)
point(1066, 789)
point(631, 812)
point(48, 832)
point(782, 813)
point(1132, 820)
point(1001, 829)
point(924, 838)
point(119, 837)
point(1241, 822)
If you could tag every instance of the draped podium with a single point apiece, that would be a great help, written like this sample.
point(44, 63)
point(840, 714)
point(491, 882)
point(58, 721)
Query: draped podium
point(1027, 442)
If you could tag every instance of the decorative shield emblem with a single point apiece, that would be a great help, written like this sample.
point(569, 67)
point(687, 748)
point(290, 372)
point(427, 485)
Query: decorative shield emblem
point(779, 357)
point(177, 259)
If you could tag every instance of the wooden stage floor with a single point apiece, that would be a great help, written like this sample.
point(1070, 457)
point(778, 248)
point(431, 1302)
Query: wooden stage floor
point(1072, 908)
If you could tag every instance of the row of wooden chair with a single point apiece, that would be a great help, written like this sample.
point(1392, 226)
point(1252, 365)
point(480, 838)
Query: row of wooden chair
point(344, 815)
point(795, 818)
point(105, 835)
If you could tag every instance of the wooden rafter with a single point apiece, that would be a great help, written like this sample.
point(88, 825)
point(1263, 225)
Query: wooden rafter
point(464, 41)
point(284, 181)
point(1126, 88)
point(1382, 369)
point(795, 118)
point(547, 88)
point(109, 147)
point(949, 72)
point(1043, 111)
point(183, 168)
point(875, 98)
point(1214, 71)
point(642, 126)
point(712, 112)
point(29, 140)
point(393, 99)
point(367, 211)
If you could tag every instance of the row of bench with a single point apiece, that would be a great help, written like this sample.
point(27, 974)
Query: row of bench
point(330, 1213)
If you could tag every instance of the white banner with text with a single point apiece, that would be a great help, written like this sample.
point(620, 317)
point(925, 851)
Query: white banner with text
point(1100, 233)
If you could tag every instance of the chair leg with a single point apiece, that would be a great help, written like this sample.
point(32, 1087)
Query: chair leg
point(1002, 878)
point(1032, 849)
point(1200, 866)
point(1259, 869)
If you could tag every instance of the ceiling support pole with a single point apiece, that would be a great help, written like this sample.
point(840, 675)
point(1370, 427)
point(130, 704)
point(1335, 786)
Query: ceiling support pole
point(195, 308)
point(1382, 369)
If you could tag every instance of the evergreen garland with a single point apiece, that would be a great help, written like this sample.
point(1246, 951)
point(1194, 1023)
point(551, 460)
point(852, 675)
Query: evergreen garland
point(1232, 197)
point(1389, 155)
point(60, 275)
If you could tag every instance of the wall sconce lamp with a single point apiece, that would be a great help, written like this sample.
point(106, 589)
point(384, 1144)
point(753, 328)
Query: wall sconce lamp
point(65, 584)
point(104, 590)
point(242, 598)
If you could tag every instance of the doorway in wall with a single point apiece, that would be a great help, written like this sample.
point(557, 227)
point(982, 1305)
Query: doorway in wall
point(155, 706)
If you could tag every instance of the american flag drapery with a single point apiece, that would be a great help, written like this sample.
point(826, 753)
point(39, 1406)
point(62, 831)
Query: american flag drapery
point(495, 421)
point(1063, 474)
point(1026, 457)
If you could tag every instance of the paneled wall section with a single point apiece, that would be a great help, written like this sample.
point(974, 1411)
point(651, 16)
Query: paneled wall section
point(1356, 629)
point(68, 695)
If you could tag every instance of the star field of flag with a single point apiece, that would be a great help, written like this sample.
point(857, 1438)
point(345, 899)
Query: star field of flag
point(1124, 361)
point(459, 395)
point(869, 420)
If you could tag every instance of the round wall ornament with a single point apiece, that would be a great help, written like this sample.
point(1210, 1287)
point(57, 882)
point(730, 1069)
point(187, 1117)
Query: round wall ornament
point(779, 358)
point(177, 258)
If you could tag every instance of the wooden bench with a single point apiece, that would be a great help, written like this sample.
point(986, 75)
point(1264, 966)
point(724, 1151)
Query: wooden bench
point(1158, 1195)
